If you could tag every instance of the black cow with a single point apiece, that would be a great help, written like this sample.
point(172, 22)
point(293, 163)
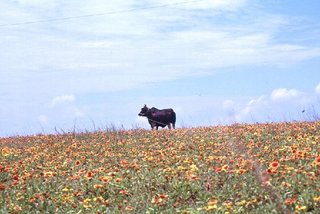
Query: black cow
point(156, 117)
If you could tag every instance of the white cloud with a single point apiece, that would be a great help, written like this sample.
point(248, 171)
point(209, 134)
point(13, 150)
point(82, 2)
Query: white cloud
point(122, 51)
point(283, 94)
point(280, 104)
point(66, 98)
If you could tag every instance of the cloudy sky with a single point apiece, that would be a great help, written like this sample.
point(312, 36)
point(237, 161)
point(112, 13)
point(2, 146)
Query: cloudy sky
point(85, 65)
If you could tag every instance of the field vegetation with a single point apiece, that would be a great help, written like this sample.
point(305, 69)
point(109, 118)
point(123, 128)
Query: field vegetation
point(260, 168)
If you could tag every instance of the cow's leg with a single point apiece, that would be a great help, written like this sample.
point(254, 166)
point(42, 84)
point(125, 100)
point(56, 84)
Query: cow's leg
point(173, 125)
point(152, 126)
point(169, 126)
point(156, 127)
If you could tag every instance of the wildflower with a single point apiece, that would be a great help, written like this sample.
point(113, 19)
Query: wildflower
point(124, 163)
point(124, 192)
point(317, 199)
point(105, 179)
point(228, 204)
point(78, 162)
point(217, 169)
point(193, 168)
point(274, 165)
point(191, 177)
point(163, 196)
point(48, 174)
point(211, 207)
point(99, 199)
point(16, 208)
point(118, 180)
point(225, 168)
point(2, 186)
point(129, 208)
point(15, 177)
point(65, 189)
point(241, 171)
point(159, 199)
point(97, 186)
point(89, 175)
point(241, 203)
point(285, 184)
point(212, 201)
point(290, 201)
point(317, 161)
point(86, 203)
point(301, 207)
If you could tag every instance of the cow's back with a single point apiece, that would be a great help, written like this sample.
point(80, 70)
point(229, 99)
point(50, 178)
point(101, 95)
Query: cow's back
point(164, 116)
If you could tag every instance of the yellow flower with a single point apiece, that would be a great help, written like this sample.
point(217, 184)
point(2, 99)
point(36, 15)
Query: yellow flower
point(86, 203)
point(317, 199)
point(193, 168)
point(211, 207)
point(65, 189)
point(301, 208)
point(241, 203)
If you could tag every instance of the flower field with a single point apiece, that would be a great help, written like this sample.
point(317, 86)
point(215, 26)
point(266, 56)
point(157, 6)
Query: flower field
point(261, 168)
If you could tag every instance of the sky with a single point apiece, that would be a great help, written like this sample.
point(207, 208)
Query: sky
point(90, 65)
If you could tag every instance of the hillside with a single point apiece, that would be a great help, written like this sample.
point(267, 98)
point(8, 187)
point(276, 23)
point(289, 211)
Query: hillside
point(259, 168)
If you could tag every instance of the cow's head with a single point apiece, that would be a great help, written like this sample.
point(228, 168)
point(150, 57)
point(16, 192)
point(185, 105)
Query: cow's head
point(144, 111)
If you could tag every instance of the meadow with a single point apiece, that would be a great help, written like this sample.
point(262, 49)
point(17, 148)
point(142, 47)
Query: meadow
point(242, 168)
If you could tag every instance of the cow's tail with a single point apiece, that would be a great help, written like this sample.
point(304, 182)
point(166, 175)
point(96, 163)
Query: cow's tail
point(174, 120)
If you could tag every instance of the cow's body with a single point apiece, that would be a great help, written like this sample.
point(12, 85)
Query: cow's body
point(156, 117)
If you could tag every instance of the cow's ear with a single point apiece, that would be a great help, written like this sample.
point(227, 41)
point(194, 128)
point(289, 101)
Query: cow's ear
point(145, 106)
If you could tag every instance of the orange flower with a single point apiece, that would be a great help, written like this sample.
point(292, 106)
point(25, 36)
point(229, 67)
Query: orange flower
point(289, 138)
point(105, 179)
point(225, 168)
point(15, 177)
point(290, 201)
point(228, 204)
point(48, 174)
point(274, 165)
point(124, 163)
point(241, 171)
point(217, 169)
point(159, 199)
point(285, 184)
point(78, 162)
point(317, 160)
point(89, 175)
point(129, 208)
point(97, 186)
point(124, 192)
point(2, 187)
point(163, 196)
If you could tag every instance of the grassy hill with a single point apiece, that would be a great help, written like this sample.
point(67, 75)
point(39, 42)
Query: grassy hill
point(261, 168)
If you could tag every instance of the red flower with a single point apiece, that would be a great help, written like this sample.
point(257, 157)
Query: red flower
point(217, 169)
point(317, 160)
point(2, 187)
point(89, 175)
point(15, 177)
point(274, 165)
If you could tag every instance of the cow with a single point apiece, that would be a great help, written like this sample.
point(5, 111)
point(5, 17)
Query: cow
point(156, 117)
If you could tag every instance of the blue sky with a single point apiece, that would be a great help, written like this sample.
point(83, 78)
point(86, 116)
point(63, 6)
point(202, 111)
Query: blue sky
point(89, 64)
